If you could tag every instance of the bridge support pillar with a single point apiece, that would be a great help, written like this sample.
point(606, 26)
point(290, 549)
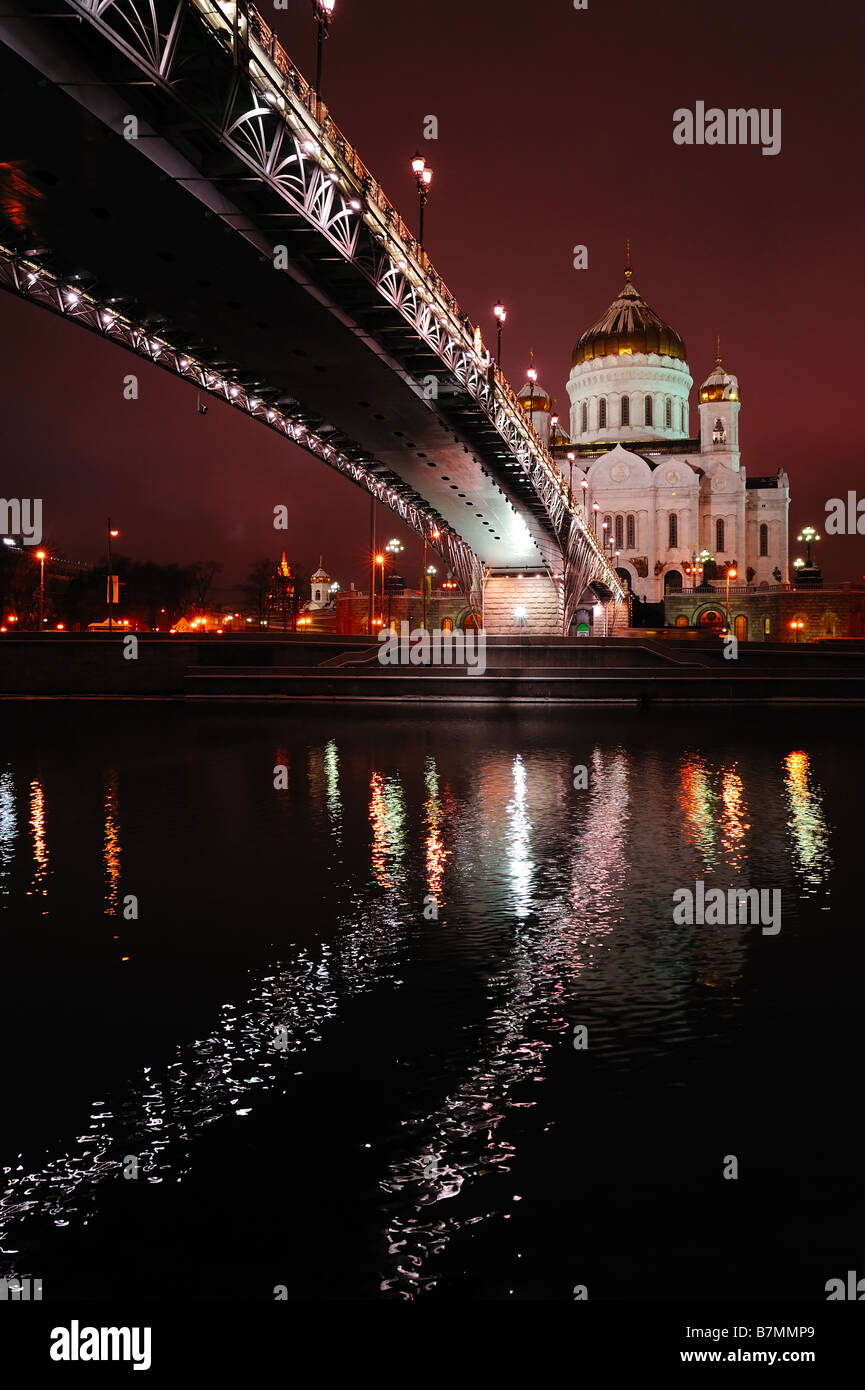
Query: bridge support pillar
point(530, 604)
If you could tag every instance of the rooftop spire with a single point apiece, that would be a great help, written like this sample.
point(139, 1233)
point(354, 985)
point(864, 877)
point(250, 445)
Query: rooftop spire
point(628, 271)
point(718, 360)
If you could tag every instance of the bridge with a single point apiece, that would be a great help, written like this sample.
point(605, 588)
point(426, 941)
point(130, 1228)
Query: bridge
point(185, 194)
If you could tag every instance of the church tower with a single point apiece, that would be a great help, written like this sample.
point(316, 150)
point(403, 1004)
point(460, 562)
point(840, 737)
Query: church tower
point(720, 404)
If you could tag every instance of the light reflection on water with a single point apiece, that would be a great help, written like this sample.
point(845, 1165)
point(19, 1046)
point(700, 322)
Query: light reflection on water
point(564, 897)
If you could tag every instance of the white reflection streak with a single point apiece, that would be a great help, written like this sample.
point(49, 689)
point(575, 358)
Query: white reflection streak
point(8, 825)
point(546, 962)
point(520, 864)
point(159, 1117)
point(334, 800)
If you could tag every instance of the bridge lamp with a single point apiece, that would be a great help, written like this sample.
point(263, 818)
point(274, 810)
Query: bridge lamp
point(322, 12)
point(501, 314)
point(423, 177)
point(797, 563)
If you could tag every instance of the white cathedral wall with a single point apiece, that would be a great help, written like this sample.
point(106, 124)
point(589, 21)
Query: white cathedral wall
point(770, 507)
point(636, 375)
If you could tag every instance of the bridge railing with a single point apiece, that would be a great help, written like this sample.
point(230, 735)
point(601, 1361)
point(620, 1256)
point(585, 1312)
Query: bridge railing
point(241, 25)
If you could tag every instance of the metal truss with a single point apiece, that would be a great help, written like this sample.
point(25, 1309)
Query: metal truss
point(275, 124)
point(32, 281)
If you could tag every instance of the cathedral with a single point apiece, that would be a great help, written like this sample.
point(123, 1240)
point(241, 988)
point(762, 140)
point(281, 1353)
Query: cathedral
point(671, 509)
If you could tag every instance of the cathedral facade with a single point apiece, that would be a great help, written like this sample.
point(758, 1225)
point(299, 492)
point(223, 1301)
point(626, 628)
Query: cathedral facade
point(671, 509)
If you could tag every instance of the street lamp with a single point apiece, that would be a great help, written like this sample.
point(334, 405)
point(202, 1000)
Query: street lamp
point(322, 11)
point(595, 509)
point(554, 420)
point(427, 587)
point(533, 376)
point(501, 314)
point(571, 459)
point(731, 574)
point(41, 557)
point(585, 486)
point(111, 532)
point(810, 537)
point(379, 559)
point(423, 175)
point(797, 626)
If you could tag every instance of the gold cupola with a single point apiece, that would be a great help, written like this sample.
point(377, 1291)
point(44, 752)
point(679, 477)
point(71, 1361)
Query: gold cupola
point(629, 327)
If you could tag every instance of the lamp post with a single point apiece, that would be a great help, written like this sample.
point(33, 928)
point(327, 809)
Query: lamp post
point(379, 560)
point(322, 11)
point(423, 175)
point(554, 422)
point(797, 626)
point(731, 574)
point(111, 532)
point(585, 486)
point(40, 556)
point(595, 509)
point(427, 585)
point(533, 376)
point(393, 547)
point(501, 314)
point(810, 537)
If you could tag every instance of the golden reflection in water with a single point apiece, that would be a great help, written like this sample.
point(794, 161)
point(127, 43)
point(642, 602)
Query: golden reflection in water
point(600, 864)
point(734, 823)
point(37, 827)
point(520, 862)
point(8, 824)
point(434, 845)
point(807, 820)
point(700, 804)
point(387, 814)
point(111, 845)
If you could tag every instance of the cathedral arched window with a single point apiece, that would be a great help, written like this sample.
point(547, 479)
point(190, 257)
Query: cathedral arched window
point(584, 421)
point(684, 417)
point(602, 413)
point(626, 410)
point(764, 539)
point(668, 414)
point(719, 434)
point(647, 411)
point(720, 535)
point(632, 533)
point(673, 541)
point(620, 532)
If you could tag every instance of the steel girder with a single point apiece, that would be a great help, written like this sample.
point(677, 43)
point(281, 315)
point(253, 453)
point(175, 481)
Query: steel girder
point(33, 282)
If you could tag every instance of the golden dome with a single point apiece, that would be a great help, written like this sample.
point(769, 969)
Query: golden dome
point(628, 326)
point(534, 396)
point(719, 384)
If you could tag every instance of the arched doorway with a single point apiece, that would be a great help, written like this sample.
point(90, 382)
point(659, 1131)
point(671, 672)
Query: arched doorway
point(681, 621)
point(626, 578)
point(711, 618)
point(741, 628)
point(672, 582)
point(471, 622)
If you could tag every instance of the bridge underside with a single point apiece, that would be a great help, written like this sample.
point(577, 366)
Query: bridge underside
point(191, 260)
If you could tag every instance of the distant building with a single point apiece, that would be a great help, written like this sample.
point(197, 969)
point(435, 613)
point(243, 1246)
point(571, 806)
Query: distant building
point(665, 495)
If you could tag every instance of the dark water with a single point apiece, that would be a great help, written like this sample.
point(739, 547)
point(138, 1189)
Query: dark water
point(329, 1087)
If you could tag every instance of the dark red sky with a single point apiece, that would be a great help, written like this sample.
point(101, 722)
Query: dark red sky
point(555, 129)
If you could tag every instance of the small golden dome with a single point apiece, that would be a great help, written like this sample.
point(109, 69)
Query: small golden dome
point(534, 397)
point(719, 384)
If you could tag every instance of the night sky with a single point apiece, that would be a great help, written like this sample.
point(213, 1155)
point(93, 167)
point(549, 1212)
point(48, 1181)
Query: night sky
point(555, 128)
